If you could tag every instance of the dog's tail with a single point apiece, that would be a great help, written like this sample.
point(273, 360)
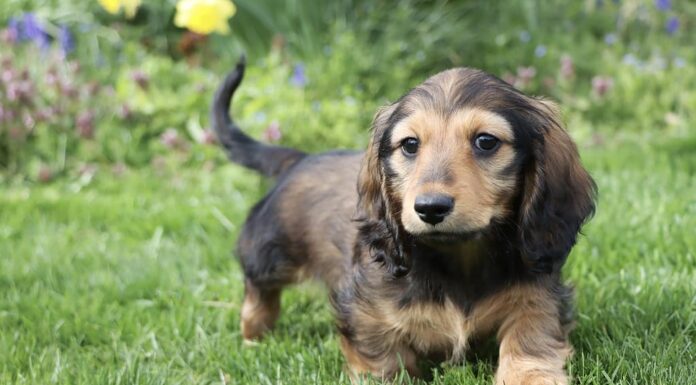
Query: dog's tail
point(241, 148)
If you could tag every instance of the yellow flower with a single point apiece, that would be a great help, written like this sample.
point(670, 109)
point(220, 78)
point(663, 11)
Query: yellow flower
point(114, 6)
point(111, 6)
point(204, 16)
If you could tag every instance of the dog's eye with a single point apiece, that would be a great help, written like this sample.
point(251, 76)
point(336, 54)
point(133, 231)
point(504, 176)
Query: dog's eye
point(409, 146)
point(485, 142)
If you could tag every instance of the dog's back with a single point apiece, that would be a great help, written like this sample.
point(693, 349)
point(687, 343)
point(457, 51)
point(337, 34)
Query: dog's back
point(302, 228)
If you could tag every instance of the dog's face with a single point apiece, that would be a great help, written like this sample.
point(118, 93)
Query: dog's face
point(464, 151)
point(453, 174)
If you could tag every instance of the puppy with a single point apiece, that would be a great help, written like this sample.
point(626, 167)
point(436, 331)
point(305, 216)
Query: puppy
point(469, 198)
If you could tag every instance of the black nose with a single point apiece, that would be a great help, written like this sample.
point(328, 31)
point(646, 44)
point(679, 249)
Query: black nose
point(433, 208)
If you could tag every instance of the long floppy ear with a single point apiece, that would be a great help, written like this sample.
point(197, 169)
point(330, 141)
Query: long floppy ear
point(379, 231)
point(371, 188)
point(559, 195)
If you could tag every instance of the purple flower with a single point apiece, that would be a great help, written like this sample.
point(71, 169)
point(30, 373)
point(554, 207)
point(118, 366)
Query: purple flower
point(170, 139)
point(44, 115)
point(124, 112)
point(14, 24)
point(610, 38)
point(33, 30)
point(85, 124)
point(509, 78)
point(9, 115)
point(51, 78)
point(602, 84)
point(26, 92)
point(272, 132)
point(45, 174)
point(69, 90)
point(524, 76)
point(12, 33)
point(207, 137)
point(672, 25)
point(298, 79)
point(567, 67)
point(663, 5)
point(540, 51)
point(526, 73)
point(13, 92)
point(66, 39)
point(7, 75)
point(28, 120)
point(141, 79)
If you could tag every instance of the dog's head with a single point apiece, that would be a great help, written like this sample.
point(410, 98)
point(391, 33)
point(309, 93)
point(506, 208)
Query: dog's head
point(465, 152)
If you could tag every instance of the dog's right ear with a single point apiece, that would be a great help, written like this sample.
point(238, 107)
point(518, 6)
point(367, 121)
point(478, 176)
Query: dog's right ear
point(371, 188)
point(380, 230)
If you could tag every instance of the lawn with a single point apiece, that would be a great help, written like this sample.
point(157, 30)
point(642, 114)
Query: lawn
point(130, 280)
point(119, 213)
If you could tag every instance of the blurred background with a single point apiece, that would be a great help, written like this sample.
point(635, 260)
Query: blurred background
point(118, 210)
point(123, 82)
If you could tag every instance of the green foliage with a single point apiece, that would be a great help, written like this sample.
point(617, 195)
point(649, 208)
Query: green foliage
point(119, 270)
point(45, 110)
point(373, 52)
point(130, 281)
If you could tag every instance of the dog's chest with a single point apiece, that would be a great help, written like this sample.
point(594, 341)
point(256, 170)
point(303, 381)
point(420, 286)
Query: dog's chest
point(432, 328)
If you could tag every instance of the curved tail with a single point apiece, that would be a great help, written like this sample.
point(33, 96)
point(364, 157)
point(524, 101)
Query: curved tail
point(241, 148)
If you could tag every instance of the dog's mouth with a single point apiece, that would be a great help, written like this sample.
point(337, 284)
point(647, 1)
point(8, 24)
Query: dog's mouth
point(449, 237)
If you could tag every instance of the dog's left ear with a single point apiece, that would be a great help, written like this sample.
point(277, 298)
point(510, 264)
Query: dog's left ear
point(558, 196)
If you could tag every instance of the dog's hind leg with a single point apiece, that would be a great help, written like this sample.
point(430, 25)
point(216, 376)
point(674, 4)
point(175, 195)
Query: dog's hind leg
point(267, 271)
point(260, 310)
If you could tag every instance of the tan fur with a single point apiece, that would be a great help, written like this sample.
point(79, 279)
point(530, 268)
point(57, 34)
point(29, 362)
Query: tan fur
point(328, 262)
point(525, 316)
point(533, 345)
point(516, 208)
point(480, 192)
point(385, 367)
point(259, 311)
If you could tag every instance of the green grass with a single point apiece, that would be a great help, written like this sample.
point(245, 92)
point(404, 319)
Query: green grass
point(130, 280)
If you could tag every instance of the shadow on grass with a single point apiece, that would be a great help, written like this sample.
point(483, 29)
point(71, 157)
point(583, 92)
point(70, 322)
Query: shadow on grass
point(306, 314)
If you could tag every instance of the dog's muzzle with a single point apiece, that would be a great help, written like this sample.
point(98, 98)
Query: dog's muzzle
point(433, 208)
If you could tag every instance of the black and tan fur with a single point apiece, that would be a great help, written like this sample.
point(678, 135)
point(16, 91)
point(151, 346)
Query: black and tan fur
point(406, 289)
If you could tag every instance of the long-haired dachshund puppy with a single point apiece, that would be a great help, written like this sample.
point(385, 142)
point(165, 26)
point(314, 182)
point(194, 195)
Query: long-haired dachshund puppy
point(469, 198)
